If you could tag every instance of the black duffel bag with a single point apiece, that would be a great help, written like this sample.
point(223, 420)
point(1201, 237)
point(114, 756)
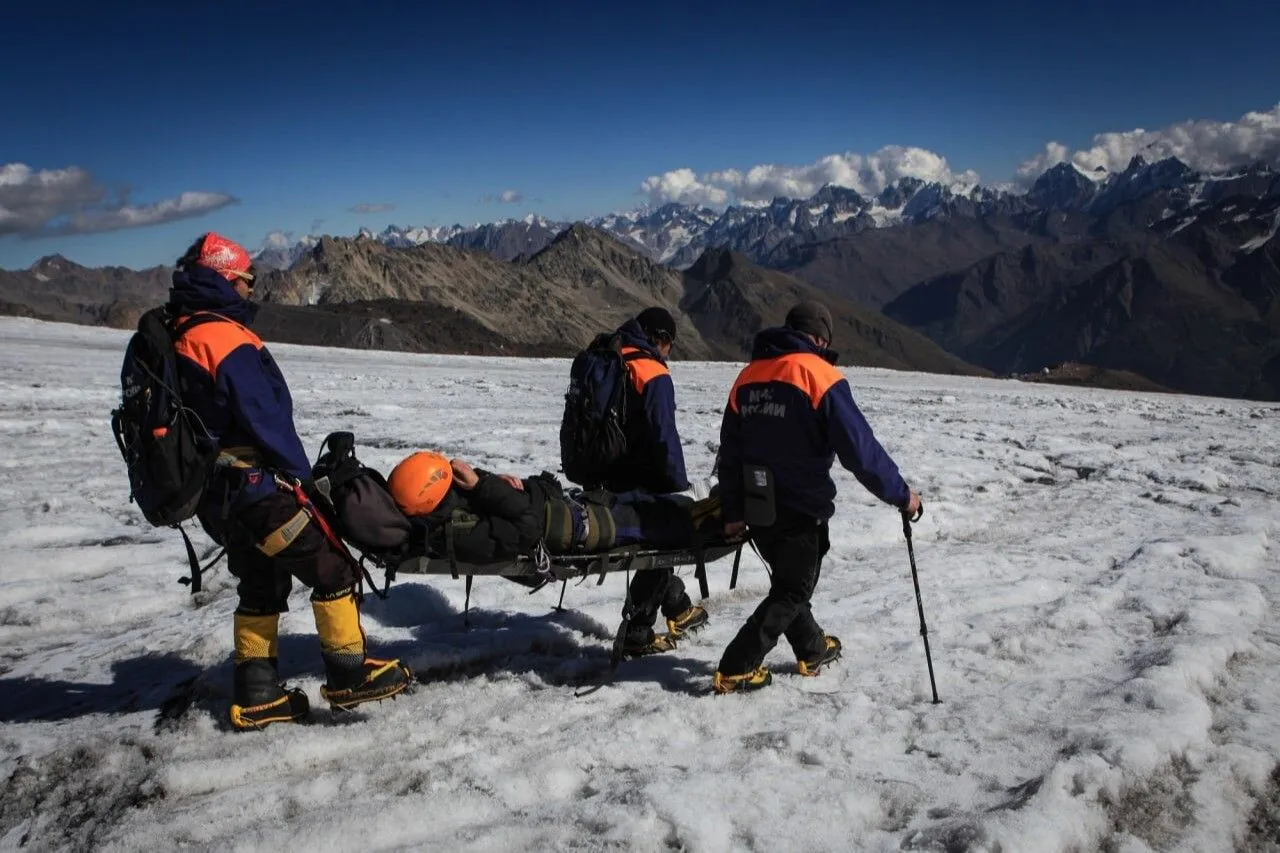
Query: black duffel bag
point(357, 499)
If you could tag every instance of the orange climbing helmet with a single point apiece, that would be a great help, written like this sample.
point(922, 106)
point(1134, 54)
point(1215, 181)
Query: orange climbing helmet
point(420, 482)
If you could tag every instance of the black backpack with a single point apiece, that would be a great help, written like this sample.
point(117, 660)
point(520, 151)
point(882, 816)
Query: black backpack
point(593, 430)
point(168, 452)
point(356, 499)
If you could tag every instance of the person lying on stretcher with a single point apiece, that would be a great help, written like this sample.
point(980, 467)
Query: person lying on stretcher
point(494, 517)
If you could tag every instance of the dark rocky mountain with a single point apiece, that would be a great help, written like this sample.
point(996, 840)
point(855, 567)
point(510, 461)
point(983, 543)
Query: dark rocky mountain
point(582, 283)
point(874, 266)
point(56, 289)
point(1191, 304)
point(362, 293)
point(393, 324)
point(730, 299)
point(277, 254)
point(1064, 203)
point(1092, 376)
point(1155, 270)
point(509, 239)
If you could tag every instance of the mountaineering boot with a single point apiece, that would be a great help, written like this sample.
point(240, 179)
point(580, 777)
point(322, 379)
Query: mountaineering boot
point(352, 676)
point(687, 622)
point(258, 698)
point(758, 678)
point(655, 644)
point(830, 653)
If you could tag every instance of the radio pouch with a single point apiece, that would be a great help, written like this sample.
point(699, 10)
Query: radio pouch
point(759, 507)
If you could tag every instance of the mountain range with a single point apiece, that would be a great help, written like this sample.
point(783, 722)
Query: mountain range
point(1156, 270)
point(771, 234)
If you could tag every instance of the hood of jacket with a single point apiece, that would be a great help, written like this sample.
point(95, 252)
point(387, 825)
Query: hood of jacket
point(198, 288)
point(780, 340)
point(633, 336)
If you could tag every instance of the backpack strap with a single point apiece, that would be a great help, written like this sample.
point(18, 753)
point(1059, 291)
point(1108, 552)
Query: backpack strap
point(462, 520)
point(282, 537)
point(194, 562)
point(180, 325)
point(315, 513)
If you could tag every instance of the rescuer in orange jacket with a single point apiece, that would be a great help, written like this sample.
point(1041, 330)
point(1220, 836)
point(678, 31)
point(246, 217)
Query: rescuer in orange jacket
point(232, 384)
point(653, 463)
point(790, 414)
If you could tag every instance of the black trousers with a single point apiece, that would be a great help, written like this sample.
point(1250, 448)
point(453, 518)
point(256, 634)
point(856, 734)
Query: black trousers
point(265, 582)
point(793, 548)
point(653, 591)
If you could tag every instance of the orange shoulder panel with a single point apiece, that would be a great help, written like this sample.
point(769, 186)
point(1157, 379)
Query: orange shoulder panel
point(643, 370)
point(209, 343)
point(804, 370)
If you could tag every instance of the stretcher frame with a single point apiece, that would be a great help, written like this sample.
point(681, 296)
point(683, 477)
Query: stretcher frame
point(569, 566)
point(565, 567)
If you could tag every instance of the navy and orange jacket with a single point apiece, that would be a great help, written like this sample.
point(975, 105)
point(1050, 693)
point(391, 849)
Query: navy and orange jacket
point(232, 383)
point(654, 461)
point(792, 411)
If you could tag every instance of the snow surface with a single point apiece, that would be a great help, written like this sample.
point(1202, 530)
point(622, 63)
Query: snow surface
point(1098, 571)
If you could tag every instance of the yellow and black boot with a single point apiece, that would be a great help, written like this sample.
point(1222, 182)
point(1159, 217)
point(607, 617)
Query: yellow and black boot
point(353, 677)
point(258, 698)
point(831, 648)
point(692, 619)
point(644, 643)
point(747, 682)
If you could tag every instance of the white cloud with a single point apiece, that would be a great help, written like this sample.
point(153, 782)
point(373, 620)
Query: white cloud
point(1208, 146)
point(682, 185)
point(29, 199)
point(278, 240)
point(378, 207)
point(504, 197)
point(37, 203)
point(185, 206)
point(866, 173)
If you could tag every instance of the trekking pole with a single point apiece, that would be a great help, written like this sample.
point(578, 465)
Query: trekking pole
point(907, 521)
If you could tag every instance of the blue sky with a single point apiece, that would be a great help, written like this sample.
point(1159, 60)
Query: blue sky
point(285, 116)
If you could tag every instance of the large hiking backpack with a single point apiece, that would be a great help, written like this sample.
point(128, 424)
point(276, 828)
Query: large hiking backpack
point(168, 452)
point(593, 430)
point(357, 499)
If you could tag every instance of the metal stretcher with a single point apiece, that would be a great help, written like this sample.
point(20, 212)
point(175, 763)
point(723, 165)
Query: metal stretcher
point(564, 567)
point(567, 566)
point(547, 568)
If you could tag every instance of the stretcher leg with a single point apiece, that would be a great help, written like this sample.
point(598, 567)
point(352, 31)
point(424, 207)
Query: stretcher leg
point(466, 607)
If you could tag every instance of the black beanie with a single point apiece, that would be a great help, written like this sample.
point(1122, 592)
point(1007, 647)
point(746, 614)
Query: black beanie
point(812, 318)
point(657, 322)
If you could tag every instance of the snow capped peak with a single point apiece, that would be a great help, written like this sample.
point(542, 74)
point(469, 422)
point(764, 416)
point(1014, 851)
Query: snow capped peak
point(50, 264)
point(1068, 167)
point(675, 232)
